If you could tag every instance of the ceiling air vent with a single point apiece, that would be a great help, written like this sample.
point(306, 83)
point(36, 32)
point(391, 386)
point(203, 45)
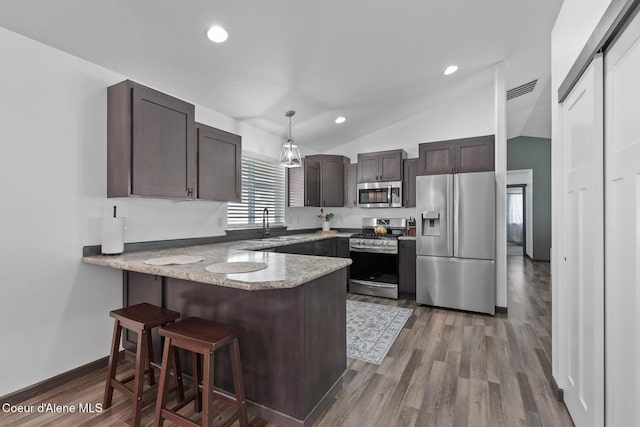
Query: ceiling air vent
point(521, 90)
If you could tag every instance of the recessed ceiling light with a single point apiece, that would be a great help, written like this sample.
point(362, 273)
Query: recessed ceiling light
point(341, 119)
point(217, 34)
point(450, 70)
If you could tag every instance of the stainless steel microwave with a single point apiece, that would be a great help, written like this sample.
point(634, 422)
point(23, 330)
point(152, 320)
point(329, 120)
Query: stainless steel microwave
point(380, 194)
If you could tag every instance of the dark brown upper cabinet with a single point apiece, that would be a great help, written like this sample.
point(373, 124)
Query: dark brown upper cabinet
point(331, 180)
point(409, 183)
point(322, 179)
point(436, 158)
point(150, 143)
point(368, 167)
point(350, 185)
point(475, 154)
point(311, 182)
point(380, 166)
point(219, 164)
point(457, 156)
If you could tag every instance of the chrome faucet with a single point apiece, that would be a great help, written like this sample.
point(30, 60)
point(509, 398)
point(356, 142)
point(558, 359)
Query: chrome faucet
point(265, 223)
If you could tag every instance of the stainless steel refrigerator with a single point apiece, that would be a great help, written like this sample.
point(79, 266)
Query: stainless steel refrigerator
point(455, 241)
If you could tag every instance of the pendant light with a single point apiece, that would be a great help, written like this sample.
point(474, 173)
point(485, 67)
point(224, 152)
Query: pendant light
point(290, 153)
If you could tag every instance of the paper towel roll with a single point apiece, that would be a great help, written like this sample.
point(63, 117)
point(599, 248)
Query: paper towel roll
point(113, 235)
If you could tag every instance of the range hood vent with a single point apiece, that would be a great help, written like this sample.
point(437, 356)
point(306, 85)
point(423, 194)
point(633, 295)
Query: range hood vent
point(521, 90)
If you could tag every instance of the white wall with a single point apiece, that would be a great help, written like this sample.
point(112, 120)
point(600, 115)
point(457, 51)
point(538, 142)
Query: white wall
point(575, 23)
point(468, 115)
point(471, 114)
point(54, 309)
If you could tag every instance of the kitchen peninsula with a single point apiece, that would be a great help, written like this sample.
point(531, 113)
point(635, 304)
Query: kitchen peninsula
point(293, 312)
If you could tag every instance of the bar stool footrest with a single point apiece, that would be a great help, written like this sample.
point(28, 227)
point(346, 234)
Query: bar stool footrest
point(177, 418)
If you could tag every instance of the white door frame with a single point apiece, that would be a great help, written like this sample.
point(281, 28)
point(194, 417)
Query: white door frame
point(525, 177)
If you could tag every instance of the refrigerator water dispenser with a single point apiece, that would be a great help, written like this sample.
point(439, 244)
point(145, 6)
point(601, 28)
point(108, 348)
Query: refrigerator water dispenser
point(430, 223)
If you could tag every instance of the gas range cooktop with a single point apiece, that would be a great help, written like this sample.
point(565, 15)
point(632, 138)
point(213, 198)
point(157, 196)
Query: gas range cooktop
point(382, 229)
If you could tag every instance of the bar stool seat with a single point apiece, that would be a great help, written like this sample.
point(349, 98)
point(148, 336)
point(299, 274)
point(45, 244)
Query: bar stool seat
point(202, 337)
point(140, 318)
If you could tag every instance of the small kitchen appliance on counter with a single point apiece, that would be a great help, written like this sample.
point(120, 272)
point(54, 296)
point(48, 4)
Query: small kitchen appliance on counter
point(374, 252)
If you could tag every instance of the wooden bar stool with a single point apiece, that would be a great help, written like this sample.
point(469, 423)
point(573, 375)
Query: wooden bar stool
point(201, 337)
point(140, 318)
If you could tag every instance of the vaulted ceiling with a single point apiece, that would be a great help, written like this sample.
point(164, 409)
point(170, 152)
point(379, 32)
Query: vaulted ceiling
point(374, 62)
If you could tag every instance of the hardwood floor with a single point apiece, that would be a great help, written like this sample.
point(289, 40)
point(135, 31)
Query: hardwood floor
point(446, 368)
point(451, 368)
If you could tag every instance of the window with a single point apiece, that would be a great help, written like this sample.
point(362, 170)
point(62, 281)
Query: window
point(262, 187)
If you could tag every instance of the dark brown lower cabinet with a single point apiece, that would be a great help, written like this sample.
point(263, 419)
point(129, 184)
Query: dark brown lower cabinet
point(305, 248)
point(342, 247)
point(326, 247)
point(407, 267)
point(294, 346)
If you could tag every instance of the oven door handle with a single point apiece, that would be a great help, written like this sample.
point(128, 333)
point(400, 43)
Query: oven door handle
point(375, 284)
point(383, 250)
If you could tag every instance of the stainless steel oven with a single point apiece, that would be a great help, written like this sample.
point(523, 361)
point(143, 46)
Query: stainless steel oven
point(380, 194)
point(374, 253)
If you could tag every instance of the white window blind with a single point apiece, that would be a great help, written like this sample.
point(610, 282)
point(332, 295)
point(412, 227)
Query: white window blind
point(262, 187)
point(296, 187)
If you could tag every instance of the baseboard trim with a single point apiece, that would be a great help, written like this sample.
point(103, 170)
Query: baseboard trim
point(559, 392)
point(500, 309)
point(53, 382)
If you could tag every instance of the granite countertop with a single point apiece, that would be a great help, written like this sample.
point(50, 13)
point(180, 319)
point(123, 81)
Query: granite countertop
point(283, 270)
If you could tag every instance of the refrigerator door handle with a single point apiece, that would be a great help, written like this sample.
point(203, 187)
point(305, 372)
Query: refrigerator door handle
point(451, 212)
point(456, 214)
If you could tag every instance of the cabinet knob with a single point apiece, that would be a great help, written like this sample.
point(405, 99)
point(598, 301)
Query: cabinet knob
point(189, 191)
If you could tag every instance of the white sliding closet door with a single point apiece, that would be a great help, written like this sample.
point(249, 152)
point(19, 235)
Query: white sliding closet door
point(582, 302)
point(622, 229)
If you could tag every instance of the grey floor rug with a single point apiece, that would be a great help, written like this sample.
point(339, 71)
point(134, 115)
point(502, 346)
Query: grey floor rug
point(372, 329)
